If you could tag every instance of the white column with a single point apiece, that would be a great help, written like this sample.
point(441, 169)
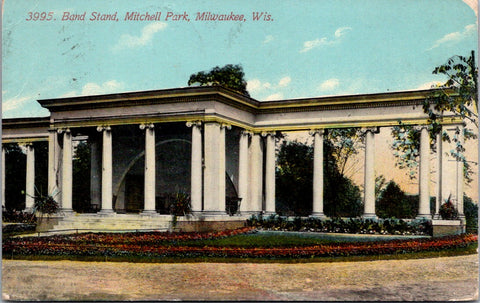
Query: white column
point(369, 177)
point(67, 173)
point(30, 182)
point(106, 169)
point(460, 177)
point(256, 175)
point(243, 171)
point(196, 167)
point(214, 195)
point(3, 176)
point(149, 188)
point(424, 173)
point(317, 210)
point(439, 198)
point(222, 166)
point(270, 173)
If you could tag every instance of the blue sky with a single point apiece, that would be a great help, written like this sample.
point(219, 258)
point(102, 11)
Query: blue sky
point(311, 48)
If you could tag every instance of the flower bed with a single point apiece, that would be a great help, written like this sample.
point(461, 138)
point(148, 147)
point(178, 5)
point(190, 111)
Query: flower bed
point(153, 245)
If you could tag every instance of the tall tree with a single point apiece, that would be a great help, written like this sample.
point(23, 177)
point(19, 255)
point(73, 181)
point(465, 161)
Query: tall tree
point(230, 76)
point(458, 95)
point(294, 183)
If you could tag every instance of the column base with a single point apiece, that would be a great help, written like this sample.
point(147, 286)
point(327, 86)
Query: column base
point(269, 213)
point(105, 212)
point(149, 213)
point(67, 211)
point(423, 216)
point(370, 216)
point(214, 213)
point(318, 215)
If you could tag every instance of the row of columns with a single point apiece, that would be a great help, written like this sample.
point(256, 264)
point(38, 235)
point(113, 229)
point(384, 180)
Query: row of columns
point(208, 171)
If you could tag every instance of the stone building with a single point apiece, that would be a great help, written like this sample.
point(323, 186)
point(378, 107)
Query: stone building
point(213, 143)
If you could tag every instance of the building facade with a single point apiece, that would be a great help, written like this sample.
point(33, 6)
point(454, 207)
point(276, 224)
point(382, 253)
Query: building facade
point(215, 144)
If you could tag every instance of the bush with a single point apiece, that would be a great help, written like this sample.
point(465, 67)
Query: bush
point(470, 210)
point(14, 216)
point(447, 211)
point(339, 225)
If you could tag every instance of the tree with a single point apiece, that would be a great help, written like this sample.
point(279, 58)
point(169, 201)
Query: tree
point(229, 76)
point(81, 177)
point(458, 95)
point(294, 184)
point(345, 142)
point(394, 203)
point(294, 178)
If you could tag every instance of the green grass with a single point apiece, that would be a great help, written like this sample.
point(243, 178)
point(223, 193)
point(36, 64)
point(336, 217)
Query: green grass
point(268, 239)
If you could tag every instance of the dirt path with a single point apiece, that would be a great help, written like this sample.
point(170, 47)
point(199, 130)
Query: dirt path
point(436, 279)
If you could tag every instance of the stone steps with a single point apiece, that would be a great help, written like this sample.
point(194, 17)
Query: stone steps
point(112, 222)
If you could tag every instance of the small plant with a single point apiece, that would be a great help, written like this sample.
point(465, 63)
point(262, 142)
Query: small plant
point(447, 210)
point(46, 205)
point(180, 206)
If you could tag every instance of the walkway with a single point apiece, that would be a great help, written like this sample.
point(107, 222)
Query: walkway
point(436, 279)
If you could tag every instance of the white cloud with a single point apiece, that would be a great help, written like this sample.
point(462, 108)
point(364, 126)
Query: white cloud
point(341, 31)
point(276, 96)
point(112, 86)
point(284, 81)
point(108, 87)
point(15, 102)
point(455, 37)
point(324, 41)
point(129, 41)
point(268, 39)
point(257, 85)
point(329, 84)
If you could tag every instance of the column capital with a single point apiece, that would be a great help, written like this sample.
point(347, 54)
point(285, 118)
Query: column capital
point(63, 130)
point(146, 126)
point(372, 129)
point(247, 133)
point(103, 128)
point(194, 123)
point(266, 134)
point(314, 131)
point(420, 127)
point(225, 125)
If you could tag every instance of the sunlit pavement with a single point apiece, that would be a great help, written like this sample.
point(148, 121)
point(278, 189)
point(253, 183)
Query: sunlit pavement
point(435, 279)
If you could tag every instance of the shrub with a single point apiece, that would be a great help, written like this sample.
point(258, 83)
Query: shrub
point(470, 210)
point(338, 225)
point(447, 211)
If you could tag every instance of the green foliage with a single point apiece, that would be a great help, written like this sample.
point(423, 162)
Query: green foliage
point(294, 183)
point(459, 95)
point(229, 76)
point(180, 204)
point(46, 205)
point(447, 211)
point(338, 225)
point(81, 178)
point(470, 210)
point(294, 178)
point(344, 143)
point(341, 196)
point(394, 203)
